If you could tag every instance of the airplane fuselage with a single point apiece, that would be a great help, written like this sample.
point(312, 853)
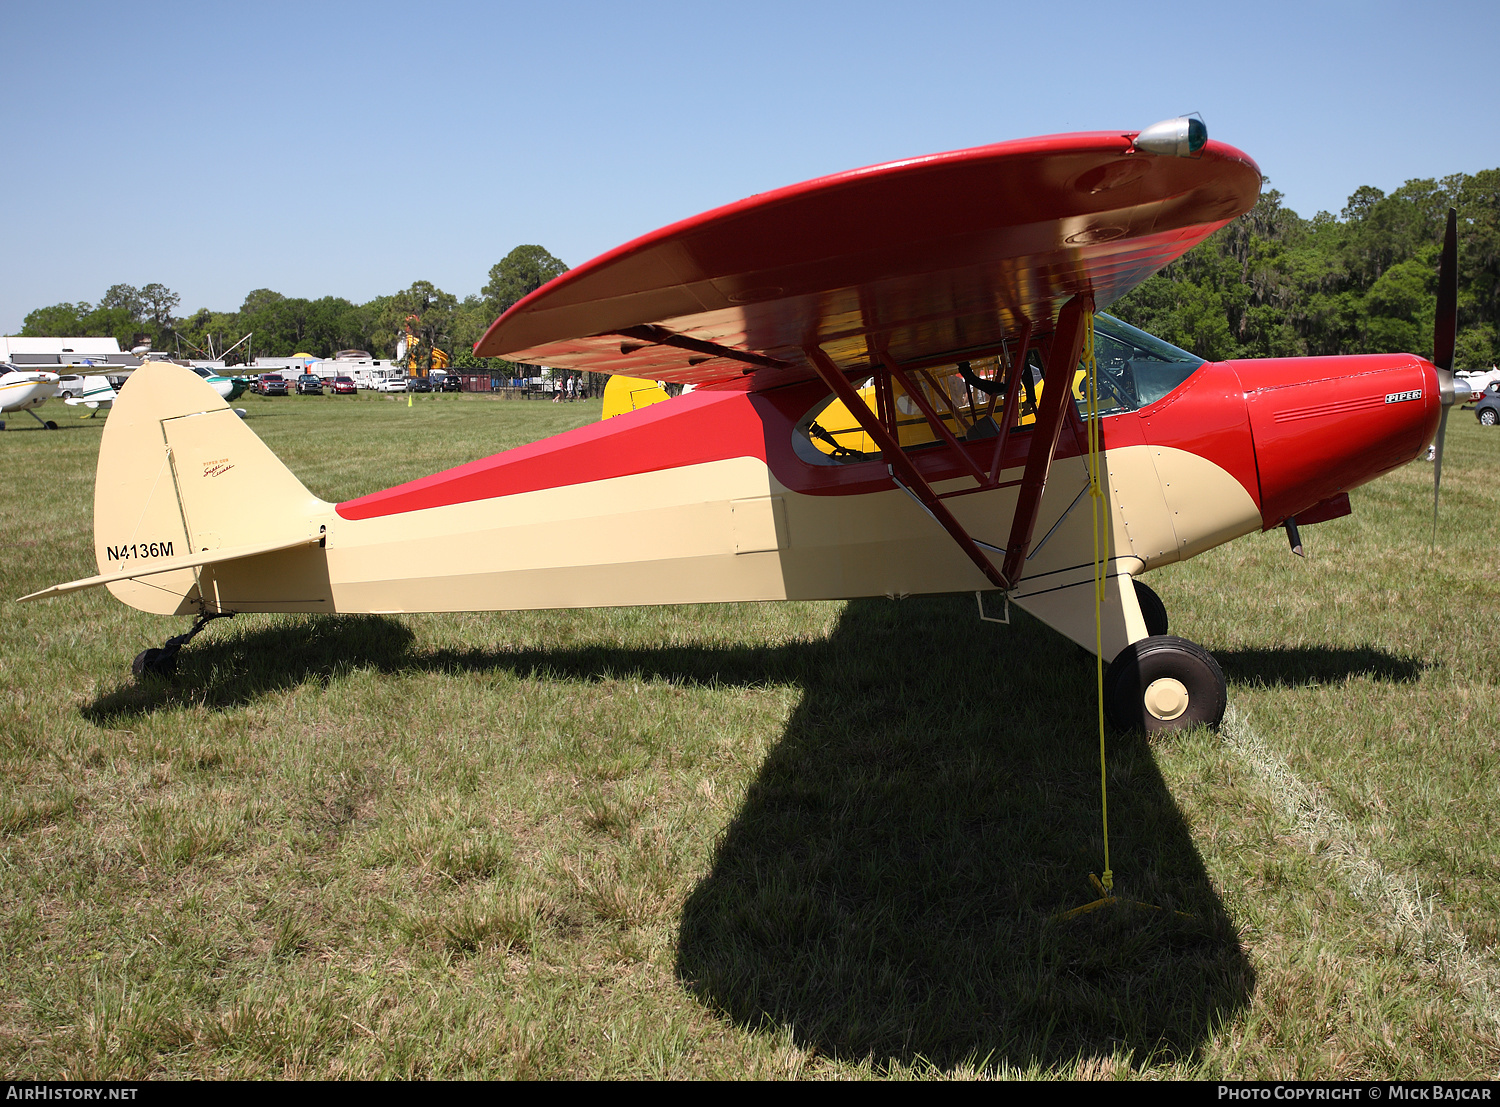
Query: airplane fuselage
point(711, 498)
point(22, 391)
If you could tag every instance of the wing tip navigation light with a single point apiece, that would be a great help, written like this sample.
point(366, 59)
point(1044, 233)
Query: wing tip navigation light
point(1181, 137)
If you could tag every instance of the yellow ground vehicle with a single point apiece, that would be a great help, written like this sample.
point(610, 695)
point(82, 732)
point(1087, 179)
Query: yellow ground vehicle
point(624, 394)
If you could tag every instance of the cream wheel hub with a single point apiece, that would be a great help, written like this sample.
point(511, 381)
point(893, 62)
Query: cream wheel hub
point(1166, 698)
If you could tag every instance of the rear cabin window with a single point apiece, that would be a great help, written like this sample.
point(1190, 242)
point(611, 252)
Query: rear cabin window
point(1135, 369)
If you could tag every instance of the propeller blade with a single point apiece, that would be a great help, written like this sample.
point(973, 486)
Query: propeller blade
point(1437, 472)
point(1445, 326)
point(1444, 339)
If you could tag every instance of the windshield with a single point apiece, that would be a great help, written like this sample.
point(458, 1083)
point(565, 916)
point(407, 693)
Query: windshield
point(1136, 368)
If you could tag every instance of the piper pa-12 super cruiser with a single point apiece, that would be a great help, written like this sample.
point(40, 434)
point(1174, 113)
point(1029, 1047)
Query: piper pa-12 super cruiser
point(884, 403)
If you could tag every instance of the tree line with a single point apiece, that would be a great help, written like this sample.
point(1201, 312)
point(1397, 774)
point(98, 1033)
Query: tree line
point(287, 325)
point(1272, 284)
point(1269, 284)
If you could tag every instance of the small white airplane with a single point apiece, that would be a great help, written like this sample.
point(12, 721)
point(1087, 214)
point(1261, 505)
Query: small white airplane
point(96, 392)
point(88, 391)
point(26, 390)
point(224, 386)
point(1477, 382)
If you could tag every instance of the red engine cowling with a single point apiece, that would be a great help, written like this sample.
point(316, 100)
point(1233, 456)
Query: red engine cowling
point(1324, 425)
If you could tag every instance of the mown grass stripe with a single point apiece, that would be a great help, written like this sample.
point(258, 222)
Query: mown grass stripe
point(1399, 900)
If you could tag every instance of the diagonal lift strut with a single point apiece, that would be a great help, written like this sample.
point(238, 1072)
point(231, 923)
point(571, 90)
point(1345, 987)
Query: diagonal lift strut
point(1057, 394)
point(1057, 391)
point(902, 469)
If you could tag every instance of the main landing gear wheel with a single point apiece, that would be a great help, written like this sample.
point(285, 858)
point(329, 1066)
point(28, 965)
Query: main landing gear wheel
point(1152, 609)
point(50, 425)
point(1162, 684)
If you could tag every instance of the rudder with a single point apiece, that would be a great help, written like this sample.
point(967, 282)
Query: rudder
point(180, 472)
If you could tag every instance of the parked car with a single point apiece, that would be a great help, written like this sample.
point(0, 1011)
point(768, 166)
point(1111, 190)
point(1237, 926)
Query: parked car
point(391, 384)
point(451, 384)
point(1487, 411)
point(273, 386)
point(343, 386)
point(309, 385)
point(419, 384)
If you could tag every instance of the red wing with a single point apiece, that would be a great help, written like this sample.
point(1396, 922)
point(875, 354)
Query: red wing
point(928, 256)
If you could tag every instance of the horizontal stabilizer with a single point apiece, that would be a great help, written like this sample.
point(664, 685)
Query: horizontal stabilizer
point(170, 564)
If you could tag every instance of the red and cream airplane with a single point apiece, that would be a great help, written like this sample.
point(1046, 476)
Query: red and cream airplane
point(942, 303)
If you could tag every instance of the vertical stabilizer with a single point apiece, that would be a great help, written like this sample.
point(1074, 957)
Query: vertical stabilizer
point(180, 473)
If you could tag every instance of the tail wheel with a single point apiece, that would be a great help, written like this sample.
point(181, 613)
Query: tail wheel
point(1152, 609)
point(1164, 683)
point(155, 662)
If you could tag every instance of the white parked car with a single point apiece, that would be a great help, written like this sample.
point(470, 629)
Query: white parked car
point(391, 384)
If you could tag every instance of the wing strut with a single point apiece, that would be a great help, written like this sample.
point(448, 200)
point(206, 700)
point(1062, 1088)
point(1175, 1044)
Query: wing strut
point(1062, 353)
point(901, 467)
point(1057, 394)
point(1012, 398)
point(652, 335)
point(933, 418)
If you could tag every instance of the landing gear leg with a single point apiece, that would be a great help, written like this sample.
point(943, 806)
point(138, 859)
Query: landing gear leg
point(48, 424)
point(163, 662)
point(1162, 684)
point(1152, 609)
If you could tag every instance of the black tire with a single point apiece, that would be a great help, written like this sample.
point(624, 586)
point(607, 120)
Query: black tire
point(154, 662)
point(1161, 684)
point(1152, 609)
point(1488, 417)
point(50, 425)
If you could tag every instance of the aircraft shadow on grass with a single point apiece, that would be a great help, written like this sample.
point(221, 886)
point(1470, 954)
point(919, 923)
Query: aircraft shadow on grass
point(1293, 667)
point(65, 422)
point(889, 887)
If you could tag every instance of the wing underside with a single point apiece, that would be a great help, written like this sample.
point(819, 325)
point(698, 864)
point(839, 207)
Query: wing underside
point(936, 256)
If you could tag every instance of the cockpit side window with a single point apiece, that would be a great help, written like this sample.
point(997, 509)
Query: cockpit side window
point(1135, 369)
point(968, 396)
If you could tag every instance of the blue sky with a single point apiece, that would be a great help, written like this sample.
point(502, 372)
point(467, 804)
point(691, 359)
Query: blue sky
point(344, 149)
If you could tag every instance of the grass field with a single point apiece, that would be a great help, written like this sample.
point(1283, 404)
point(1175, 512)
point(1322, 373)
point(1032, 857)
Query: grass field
point(781, 840)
